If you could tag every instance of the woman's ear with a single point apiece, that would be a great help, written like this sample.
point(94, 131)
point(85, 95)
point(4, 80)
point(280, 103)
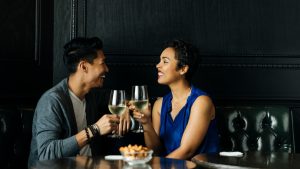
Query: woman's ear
point(184, 69)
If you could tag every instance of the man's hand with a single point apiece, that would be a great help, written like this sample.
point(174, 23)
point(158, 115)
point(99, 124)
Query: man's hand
point(108, 123)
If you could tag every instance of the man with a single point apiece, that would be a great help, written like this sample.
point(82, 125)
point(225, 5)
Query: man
point(67, 120)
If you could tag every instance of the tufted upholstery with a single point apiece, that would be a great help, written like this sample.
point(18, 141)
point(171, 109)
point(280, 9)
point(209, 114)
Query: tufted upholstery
point(15, 136)
point(242, 128)
point(255, 128)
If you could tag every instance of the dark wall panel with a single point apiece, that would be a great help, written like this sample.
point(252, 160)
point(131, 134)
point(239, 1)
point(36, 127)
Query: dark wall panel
point(249, 48)
point(25, 50)
point(233, 27)
point(64, 21)
point(268, 83)
point(17, 30)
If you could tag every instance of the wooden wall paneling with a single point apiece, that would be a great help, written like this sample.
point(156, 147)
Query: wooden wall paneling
point(25, 47)
point(64, 30)
point(249, 48)
point(220, 28)
point(70, 22)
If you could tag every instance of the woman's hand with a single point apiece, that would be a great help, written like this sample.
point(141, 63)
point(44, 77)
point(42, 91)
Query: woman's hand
point(143, 116)
point(125, 121)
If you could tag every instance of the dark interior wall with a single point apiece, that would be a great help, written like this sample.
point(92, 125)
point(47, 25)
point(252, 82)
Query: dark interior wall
point(220, 28)
point(25, 50)
point(249, 48)
point(64, 29)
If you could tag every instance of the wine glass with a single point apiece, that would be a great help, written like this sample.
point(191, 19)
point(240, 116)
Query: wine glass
point(117, 105)
point(139, 98)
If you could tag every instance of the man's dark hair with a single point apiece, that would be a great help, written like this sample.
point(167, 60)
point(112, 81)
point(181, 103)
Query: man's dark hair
point(186, 54)
point(79, 49)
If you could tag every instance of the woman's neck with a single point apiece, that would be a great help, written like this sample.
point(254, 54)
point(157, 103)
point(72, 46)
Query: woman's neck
point(180, 91)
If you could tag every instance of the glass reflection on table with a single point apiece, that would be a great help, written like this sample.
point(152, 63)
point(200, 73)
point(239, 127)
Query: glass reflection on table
point(82, 162)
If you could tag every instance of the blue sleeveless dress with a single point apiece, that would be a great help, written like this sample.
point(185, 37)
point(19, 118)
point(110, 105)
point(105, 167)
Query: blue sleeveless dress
point(171, 131)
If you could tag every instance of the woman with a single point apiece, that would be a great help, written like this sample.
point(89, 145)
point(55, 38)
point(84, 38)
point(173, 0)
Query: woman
point(183, 122)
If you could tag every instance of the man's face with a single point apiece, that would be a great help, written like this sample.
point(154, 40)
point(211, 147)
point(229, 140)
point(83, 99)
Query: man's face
point(96, 71)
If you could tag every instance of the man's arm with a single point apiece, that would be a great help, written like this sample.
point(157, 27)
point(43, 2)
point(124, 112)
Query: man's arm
point(51, 128)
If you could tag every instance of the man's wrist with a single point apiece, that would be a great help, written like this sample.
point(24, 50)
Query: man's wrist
point(97, 128)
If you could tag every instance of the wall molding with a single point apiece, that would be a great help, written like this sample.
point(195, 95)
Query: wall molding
point(216, 65)
point(38, 27)
point(243, 65)
point(74, 16)
point(276, 62)
point(43, 40)
point(78, 18)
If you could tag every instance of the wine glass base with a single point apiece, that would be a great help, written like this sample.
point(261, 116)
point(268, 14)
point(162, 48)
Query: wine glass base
point(114, 136)
point(138, 131)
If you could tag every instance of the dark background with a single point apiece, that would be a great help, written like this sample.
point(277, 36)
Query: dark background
point(250, 49)
point(26, 51)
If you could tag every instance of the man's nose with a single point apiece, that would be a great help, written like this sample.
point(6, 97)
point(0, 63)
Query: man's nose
point(107, 70)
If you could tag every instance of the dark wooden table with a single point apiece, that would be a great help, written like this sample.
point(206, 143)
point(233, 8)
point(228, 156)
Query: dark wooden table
point(81, 162)
point(250, 160)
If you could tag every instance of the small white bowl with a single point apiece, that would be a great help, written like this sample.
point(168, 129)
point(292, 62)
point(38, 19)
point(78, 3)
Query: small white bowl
point(137, 158)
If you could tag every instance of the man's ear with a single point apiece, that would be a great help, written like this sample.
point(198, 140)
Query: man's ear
point(184, 69)
point(82, 66)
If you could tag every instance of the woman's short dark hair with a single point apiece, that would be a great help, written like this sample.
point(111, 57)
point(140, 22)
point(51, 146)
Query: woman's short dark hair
point(79, 49)
point(186, 54)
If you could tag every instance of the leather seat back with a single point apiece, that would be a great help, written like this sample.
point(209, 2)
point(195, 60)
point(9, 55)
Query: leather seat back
point(15, 136)
point(255, 128)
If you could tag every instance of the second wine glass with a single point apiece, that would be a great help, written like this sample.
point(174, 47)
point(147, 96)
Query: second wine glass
point(117, 105)
point(139, 98)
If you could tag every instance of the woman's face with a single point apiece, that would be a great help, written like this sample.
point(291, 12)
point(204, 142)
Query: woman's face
point(96, 71)
point(167, 67)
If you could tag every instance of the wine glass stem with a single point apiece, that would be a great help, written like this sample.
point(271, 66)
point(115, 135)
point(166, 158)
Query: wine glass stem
point(140, 129)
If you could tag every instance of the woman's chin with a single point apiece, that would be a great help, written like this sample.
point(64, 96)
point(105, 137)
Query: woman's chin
point(160, 82)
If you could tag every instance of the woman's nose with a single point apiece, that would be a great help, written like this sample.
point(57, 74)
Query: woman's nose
point(158, 65)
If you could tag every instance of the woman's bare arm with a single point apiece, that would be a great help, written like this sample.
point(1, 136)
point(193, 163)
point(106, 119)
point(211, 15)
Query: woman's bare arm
point(151, 130)
point(202, 112)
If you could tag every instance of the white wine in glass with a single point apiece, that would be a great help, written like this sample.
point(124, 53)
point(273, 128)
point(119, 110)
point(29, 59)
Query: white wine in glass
point(139, 98)
point(117, 105)
point(140, 104)
point(118, 110)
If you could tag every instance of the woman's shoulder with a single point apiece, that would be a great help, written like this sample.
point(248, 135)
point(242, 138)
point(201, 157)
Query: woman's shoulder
point(199, 95)
point(203, 99)
point(197, 91)
point(158, 102)
point(205, 105)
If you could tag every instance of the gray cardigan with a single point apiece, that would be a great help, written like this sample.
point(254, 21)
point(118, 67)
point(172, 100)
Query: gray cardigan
point(54, 125)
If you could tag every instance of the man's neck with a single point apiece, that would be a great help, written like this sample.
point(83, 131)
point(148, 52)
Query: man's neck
point(77, 86)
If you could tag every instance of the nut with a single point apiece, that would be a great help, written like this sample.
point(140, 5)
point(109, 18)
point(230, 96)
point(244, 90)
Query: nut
point(134, 152)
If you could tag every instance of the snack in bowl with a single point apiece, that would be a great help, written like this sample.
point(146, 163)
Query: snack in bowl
point(136, 154)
